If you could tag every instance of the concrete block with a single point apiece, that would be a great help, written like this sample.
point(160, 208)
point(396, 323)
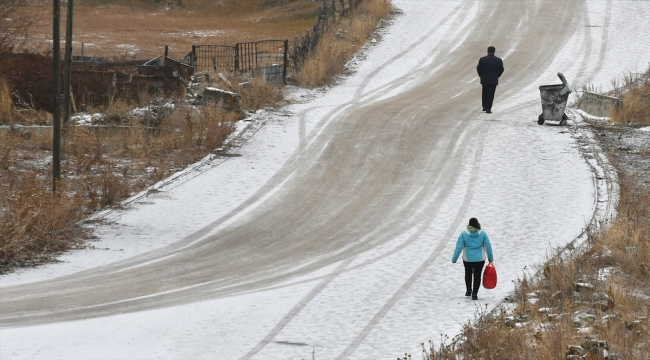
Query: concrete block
point(230, 100)
point(598, 105)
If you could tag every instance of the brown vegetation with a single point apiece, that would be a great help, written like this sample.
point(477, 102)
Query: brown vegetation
point(18, 20)
point(93, 87)
point(5, 102)
point(340, 42)
point(101, 166)
point(30, 78)
point(636, 101)
point(257, 93)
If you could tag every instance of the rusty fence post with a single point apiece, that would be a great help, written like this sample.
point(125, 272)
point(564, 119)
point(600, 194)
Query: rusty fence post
point(67, 75)
point(164, 67)
point(56, 111)
point(286, 58)
point(237, 57)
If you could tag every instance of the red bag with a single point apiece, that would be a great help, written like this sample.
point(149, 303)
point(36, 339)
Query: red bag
point(490, 277)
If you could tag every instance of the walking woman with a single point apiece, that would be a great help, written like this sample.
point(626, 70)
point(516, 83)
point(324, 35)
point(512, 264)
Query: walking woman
point(474, 243)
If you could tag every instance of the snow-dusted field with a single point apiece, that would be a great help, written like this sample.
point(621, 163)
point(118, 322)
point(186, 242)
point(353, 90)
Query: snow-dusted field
point(534, 188)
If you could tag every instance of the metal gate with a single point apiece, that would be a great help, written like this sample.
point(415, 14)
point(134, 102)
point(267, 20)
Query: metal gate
point(244, 57)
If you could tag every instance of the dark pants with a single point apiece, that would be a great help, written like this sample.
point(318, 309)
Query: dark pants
point(488, 96)
point(473, 269)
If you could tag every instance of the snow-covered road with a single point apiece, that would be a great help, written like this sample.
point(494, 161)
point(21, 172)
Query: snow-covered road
point(330, 237)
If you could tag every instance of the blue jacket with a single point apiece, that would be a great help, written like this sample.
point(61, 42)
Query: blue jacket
point(474, 245)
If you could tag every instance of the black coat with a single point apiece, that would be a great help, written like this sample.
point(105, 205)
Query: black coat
point(490, 68)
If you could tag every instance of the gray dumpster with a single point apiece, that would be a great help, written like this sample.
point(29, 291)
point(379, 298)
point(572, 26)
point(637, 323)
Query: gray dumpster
point(554, 99)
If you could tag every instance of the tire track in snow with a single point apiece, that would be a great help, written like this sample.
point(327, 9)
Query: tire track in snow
point(603, 42)
point(286, 171)
point(585, 47)
point(297, 309)
point(202, 266)
point(418, 69)
point(449, 235)
point(382, 90)
point(431, 215)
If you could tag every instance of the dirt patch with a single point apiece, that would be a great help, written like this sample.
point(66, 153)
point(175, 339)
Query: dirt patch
point(628, 148)
point(122, 30)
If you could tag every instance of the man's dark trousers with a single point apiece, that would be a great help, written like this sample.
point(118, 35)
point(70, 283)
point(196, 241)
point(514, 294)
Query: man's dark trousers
point(488, 96)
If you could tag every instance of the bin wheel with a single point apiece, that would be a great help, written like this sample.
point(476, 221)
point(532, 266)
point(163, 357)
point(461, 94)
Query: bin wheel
point(540, 120)
point(564, 119)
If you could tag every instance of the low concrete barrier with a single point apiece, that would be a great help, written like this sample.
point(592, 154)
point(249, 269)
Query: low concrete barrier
point(599, 105)
point(25, 131)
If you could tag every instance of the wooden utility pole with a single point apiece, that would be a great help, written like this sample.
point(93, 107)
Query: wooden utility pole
point(56, 112)
point(67, 76)
point(285, 60)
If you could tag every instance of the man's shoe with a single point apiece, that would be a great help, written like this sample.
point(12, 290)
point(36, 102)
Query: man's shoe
point(468, 293)
point(488, 111)
point(474, 297)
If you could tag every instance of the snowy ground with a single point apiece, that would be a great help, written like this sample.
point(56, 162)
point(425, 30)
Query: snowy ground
point(529, 185)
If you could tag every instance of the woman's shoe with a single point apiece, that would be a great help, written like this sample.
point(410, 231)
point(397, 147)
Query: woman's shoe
point(474, 297)
point(468, 293)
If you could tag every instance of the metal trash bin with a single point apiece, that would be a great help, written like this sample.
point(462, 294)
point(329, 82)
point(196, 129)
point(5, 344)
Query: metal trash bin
point(554, 99)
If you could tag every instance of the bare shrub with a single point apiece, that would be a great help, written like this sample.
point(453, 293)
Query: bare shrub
point(30, 78)
point(635, 94)
point(340, 42)
point(627, 239)
point(18, 20)
point(327, 61)
point(257, 93)
point(34, 223)
point(101, 166)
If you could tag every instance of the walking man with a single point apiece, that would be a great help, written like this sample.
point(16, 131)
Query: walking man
point(489, 70)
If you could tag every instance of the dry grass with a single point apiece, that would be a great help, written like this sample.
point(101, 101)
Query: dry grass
point(257, 93)
point(5, 102)
point(135, 29)
point(554, 310)
point(100, 167)
point(34, 223)
point(335, 50)
point(635, 93)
